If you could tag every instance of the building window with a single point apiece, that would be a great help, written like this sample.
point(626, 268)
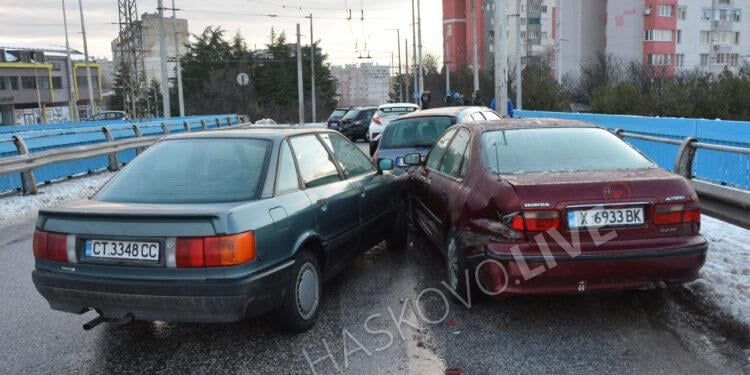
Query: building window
point(8, 83)
point(56, 66)
point(679, 60)
point(43, 83)
point(704, 59)
point(706, 14)
point(682, 13)
point(449, 30)
point(660, 59)
point(57, 83)
point(729, 59)
point(737, 15)
point(544, 9)
point(659, 35)
point(679, 36)
point(725, 2)
point(705, 37)
point(523, 21)
point(723, 15)
point(666, 10)
point(28, 83)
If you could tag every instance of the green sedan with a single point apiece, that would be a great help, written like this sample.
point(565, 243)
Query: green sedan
point(220, 226)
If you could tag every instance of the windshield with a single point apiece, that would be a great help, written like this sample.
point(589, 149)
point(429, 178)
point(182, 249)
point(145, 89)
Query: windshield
point(519, 151)
point(417, 132)
point(338, 113)
point(191, 171)
point(351, 115)
point(394, 111)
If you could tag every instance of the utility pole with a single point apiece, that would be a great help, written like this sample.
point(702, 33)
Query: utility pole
point(501, 59)
point(419, 36)
point(88, 63)
point(414, 44)
point(559, 41)
point(519, 67)
point(475, 46)
point(72, 100)
point(178, 65)
point(163, 57)
point(300, 94)
point(406, 80)
point(400, 84)
point(447, 68)
point(312, 69)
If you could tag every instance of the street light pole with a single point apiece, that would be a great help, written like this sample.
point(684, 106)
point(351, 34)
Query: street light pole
point(519, 67)
point(88, 63)
point(300, 94)
point(501, 59)
point(414, 45)
point(163, 57)
point(73, 108)
point(419, 36)
point(475, 46)
point(312, 69)
point(178, 66)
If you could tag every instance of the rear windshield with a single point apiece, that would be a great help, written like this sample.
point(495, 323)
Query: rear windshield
point(519, 151)
point(394, 111)
point(418, 132)
point(351, 115)
point(191, 171)
point(338, 113)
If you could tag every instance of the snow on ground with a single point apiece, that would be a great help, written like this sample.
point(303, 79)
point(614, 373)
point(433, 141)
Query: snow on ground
point(725, 279)
point(18, 207)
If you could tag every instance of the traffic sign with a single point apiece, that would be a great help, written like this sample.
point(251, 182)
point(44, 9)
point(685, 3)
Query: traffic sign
point(243, 79)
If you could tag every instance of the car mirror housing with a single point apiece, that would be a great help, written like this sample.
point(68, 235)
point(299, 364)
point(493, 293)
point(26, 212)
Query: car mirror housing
point(414, 159)
point(385, 164)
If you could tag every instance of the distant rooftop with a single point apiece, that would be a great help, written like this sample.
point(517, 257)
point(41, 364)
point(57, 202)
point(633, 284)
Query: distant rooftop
point(57, 51)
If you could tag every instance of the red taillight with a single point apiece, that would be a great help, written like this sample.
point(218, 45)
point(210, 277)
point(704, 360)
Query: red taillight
point(539, 221)
point(51, 246)
point(219, 251)
point(377, 121)
point(666, 214)
point(518, 223)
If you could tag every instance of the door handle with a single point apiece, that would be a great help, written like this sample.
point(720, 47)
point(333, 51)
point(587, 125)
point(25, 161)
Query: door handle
point(362, 192)
point(323, 204)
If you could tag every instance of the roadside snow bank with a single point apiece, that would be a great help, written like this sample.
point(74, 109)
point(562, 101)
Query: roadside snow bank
point(15, 208)
point(725, 279)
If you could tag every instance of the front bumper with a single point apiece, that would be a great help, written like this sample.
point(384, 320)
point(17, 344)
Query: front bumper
point(178, 301)
point(521, 275)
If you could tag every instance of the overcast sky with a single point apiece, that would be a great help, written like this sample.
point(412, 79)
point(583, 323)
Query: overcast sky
point(39, 22)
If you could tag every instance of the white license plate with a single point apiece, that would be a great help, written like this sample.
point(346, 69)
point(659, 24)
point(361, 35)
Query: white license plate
point(601, 217)
point(126, 250)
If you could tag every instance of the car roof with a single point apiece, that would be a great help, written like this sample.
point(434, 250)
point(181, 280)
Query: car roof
point(363, 108)
point(274, 132)
point(528, 123)
point(394, 105)
point(444, 111)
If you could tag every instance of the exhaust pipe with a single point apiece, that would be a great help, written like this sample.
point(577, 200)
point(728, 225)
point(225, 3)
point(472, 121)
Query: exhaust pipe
point(100, 319)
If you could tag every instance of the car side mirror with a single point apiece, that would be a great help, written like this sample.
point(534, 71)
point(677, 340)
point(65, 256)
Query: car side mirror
point(385, 165)
point(414, 159)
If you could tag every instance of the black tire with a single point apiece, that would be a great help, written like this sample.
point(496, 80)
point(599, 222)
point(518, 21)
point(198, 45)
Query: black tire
point(455, 266)
point(299, 312)
point(400, 231)
point(373, 147)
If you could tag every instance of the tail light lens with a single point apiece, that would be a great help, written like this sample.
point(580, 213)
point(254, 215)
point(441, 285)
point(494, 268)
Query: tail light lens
point(542, 220)
point(377, 121)
point(51, 246)
point(218, 251)
point(666, 214)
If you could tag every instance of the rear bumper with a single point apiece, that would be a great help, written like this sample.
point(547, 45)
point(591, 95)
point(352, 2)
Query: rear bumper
point(179, 301)
point(354, 131)
point(588, 272)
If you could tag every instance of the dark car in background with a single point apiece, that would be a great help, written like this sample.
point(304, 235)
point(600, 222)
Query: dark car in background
point(355, 123)
point(108, 116)
point(219, 227)
point(549, 206)
point(418, 131)
point(334, 120)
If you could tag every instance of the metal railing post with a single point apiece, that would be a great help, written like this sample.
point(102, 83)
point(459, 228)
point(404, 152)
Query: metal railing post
point(137, 133)
point(218, 123)
point(229, 121)
point(164, 128)
point(618, 132)
point(187, 126)
point(683, 164)
point(112, 156)
point(28, 182)
point(203, 125)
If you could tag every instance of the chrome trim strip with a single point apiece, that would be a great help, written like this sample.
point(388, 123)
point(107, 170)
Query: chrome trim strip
point(608, 204)
point(272, 270)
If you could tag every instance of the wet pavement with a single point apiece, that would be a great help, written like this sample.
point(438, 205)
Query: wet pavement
point(631, 333)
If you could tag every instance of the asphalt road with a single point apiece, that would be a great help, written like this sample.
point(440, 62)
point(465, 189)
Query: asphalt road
point(633, 332)
point(630, 333)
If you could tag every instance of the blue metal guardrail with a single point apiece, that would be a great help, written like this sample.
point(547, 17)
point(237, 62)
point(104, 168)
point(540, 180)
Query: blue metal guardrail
point(715, 166)
point(65, 136)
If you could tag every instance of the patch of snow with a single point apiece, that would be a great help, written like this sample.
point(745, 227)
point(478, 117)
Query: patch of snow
point(19, 207)
point(725, 278)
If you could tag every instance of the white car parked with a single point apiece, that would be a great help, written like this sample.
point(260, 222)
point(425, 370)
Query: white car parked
point(383, 117)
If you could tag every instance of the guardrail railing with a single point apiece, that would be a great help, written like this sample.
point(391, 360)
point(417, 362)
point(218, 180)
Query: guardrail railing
point(26, 162)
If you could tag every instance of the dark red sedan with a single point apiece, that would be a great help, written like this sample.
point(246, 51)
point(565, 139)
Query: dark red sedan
point(528, 206)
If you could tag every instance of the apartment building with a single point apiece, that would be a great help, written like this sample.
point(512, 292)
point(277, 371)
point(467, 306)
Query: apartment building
point(667, 35)
point(35, 85)
point(362, 84)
